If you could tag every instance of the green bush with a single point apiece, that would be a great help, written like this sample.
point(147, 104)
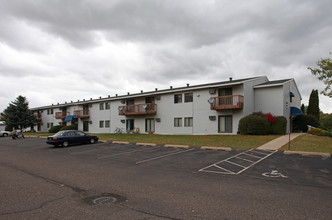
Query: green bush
point(243, 125)
point(279, 126)
point(258, 125)
point(318, 132)
point(301, 122)
point(255, 124)
point(55, 129)
point(69, 127)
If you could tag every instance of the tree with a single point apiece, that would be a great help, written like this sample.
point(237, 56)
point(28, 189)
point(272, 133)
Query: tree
point(324, 73)
point(18, 115)
point(313, 107)
point(326, 122)
point(303, 108)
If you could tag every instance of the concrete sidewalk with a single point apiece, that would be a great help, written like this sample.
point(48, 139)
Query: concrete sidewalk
point(279, 142)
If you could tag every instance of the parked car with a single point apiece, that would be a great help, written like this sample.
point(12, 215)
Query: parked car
point(4, 133)
point(70, 137)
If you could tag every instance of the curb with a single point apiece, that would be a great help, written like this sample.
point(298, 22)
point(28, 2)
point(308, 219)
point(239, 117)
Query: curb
point(179, 146)
point(305, 153)
point(103, 141)
point(146, 144)
point(216, 148)
point(120, 142)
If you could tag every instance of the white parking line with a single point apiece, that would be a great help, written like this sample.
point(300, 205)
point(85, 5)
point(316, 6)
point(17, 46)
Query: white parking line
point(127, 152)
point(167, 155)
point(223, 170)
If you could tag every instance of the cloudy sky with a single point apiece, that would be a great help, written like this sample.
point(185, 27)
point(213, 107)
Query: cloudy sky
point(61, 50)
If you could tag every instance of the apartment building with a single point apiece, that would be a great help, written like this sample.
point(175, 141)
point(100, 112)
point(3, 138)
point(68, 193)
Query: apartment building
point(213, 108)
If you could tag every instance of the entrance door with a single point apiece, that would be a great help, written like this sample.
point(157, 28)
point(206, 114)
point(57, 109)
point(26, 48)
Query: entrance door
point(85, 125)
point(130, 124)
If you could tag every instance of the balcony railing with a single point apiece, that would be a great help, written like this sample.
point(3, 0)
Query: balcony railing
point(226, 102)
point(140, 109)
point(82, 114)
point(61, 115)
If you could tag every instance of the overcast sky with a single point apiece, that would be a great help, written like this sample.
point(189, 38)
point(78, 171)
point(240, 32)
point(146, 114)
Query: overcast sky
point(62, 50)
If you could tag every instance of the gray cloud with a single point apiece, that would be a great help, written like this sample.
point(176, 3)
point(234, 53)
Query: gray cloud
point(122, 45)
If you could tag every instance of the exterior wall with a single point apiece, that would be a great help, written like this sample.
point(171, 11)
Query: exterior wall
point(270, 99)
point(249, 95)
point(274, 99)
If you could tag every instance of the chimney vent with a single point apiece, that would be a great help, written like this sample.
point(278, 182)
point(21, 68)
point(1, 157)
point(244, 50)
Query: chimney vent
point(230, 79)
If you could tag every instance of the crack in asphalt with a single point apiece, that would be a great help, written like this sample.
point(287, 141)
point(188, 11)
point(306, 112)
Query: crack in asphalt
point(32, 209)
point(55, 182)
point(152, 214)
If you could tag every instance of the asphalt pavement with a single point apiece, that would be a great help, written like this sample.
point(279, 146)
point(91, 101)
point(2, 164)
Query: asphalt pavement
point(127, 181)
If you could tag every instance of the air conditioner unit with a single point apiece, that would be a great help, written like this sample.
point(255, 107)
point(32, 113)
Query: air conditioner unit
point(212, 91)
point(212, 118)
point(123, 101)
point(123, 121)
point(158, 120)
point(158, 97)
point(90, 122)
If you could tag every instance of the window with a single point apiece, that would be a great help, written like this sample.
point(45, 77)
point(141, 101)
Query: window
point(178, 98)
point(107, 105)
point(225, 124)
point(48, 111)
point(149, 125)
point(48, 125)
point(188, 122)
point(101, 106)
point(225, 92)
point(177, 122)
point(188, 97)
point(101, 124)
point(51, 125)
point(51, 111)
point(107, 124)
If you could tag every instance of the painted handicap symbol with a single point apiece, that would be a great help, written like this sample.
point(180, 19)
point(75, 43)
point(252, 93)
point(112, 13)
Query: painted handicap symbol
point(274, 173)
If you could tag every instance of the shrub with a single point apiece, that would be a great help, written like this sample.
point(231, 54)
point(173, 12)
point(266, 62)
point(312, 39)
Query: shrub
point(258, 125)
point(69, 127)
point(301, 122)
point(270, 118)
point(318, 132)
point(243, 125)
point(279, 126)
point(55, 129)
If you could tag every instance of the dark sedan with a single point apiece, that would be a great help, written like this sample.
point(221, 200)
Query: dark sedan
point(71, 137)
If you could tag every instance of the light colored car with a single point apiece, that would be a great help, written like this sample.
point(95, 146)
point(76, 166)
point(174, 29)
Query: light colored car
point(4, 133)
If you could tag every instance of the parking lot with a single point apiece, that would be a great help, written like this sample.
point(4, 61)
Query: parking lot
point(158, 182)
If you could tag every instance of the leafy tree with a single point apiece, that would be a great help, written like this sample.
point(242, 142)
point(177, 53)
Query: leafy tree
point(324, 73)
point(18, 115)
point(313, 107)
point(326, 122)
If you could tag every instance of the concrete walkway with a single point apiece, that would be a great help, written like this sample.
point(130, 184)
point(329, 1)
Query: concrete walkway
point(279, 142)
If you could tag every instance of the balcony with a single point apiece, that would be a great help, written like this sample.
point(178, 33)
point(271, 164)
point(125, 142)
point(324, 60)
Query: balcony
point(226, 102)
point(82, 114)
point(61, 115)
point(140, 109)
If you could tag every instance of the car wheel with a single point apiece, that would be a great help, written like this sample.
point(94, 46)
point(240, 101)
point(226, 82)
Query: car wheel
point(92, 141)
point(65, 144)
point(5, 135)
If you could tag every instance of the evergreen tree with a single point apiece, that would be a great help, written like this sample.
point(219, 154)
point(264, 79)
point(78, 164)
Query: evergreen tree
point(18, 115)
point(303, 108)
point(313, 107)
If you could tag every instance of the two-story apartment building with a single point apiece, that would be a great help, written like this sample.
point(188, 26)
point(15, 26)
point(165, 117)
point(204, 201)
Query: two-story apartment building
point(213, 108)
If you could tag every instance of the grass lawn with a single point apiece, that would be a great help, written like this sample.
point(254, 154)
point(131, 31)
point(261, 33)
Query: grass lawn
point(233, 141)
point(311, 143)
